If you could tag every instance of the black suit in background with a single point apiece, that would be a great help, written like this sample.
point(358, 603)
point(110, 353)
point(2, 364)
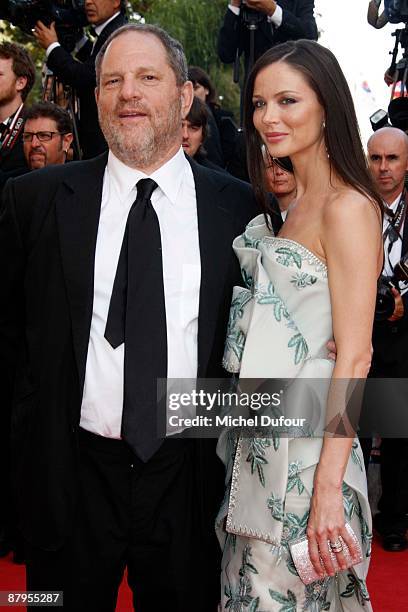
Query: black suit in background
point(390, 360)
point(297, 22)
point(12, 162)
point(81, 76)
point(47, 237)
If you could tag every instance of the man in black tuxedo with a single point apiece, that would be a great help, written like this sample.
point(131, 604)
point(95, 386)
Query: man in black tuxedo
point(276, 22)
point(17, 77)
point(106, 294)
point(105, 16)
point(388, 159)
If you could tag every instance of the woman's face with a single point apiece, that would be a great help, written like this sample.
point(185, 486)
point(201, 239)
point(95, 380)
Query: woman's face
point(287, 113)
point(200, 91)
point(278, 180)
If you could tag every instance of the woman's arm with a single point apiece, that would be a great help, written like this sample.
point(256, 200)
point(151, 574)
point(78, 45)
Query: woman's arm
point(351, 240)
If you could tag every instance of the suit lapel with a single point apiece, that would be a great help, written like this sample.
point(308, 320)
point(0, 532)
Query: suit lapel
point(78, 208)
point(216, 233)
point(118, 22)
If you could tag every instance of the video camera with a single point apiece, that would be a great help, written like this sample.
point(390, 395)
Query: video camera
point(396, 10)
point(69, 17)
point(385, 303)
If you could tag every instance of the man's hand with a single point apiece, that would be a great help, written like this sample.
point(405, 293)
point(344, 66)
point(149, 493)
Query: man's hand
point(399, 306)
point(264, 6)
point(331, 347)
point(44, 35)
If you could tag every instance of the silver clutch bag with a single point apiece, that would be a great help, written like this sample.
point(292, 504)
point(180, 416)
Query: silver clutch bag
point(299, 550)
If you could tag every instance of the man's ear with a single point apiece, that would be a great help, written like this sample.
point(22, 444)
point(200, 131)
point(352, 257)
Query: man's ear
point(97, 94)
point(21, 82)
point(187, 97)
point(67, 141)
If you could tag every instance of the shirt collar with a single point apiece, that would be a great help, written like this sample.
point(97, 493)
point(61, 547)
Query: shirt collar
point(169, 177)
point(98, 29)
point(394, 204)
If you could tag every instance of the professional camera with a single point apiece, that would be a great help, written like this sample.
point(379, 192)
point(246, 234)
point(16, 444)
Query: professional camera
point(396, 10)
point(69, 17)
point(385, 304)
point(250, 15)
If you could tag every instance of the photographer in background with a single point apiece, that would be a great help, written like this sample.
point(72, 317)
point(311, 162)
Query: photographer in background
point(276, 22)
point(388, 160)
point(47, 135)
point(105, 16)
point(17, 76)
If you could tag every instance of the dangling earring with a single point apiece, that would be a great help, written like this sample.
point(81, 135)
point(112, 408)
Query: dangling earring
point(325, 146)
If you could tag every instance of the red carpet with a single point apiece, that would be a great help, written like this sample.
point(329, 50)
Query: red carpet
point(387, 582)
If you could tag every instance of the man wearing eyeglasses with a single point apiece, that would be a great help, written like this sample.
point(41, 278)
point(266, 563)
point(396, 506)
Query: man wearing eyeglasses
point(47, 135)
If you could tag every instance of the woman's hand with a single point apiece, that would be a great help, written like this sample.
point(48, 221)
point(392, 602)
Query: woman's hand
point(326, 524)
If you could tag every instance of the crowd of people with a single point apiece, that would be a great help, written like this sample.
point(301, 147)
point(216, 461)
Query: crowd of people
point(180, 247)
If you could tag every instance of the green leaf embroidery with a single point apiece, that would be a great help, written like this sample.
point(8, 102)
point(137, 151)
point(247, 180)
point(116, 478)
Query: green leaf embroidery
point(294, 480)
point(247, 278)
point(269, 296)
point(288, 257)
point(355, 455)
point(300, 345)
point(356, 587)
point(256, 456)
point(349, 501)
point(288, 603)
point(301, 280)
point(275, 505)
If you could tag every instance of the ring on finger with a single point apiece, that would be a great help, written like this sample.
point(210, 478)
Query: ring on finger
point(336, 546)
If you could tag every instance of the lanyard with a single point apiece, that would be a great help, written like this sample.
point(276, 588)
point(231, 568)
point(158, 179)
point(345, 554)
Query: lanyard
point(392, 231)
point(14, 128)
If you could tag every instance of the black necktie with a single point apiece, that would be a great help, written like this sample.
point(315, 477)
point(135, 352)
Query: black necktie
point(389, 212)
point(137, 317)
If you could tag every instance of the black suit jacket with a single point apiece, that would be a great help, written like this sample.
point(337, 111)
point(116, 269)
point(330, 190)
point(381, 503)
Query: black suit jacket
point(81, 76)
point(12, 163)
point(297, 22)
point(48, 232)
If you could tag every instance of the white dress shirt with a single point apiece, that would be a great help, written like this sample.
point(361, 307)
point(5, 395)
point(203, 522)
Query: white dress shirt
point(98, 29)
point(396, 250)
point(275, 19)
point(174, 201)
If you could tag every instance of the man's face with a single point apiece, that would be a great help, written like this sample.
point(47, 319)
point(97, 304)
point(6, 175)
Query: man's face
point(39, 154)
point(140, 106)
point(388, 161)
point(10, 85)
point(192, 137)
point(98, 11)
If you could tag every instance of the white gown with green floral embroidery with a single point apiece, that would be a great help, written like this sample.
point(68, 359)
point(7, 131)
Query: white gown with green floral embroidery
point(279, 327)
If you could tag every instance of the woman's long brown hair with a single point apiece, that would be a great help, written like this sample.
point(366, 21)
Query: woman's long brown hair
point(342, 137)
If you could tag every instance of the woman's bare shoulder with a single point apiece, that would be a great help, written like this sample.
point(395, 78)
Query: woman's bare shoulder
point(347, 205)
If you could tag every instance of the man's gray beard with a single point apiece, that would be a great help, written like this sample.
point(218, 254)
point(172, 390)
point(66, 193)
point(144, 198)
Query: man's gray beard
point(149, 147)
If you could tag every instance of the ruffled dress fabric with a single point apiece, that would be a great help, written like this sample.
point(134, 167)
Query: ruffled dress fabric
point(279, 325)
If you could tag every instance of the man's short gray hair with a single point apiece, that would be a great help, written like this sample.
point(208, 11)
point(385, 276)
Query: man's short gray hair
point(174, 50)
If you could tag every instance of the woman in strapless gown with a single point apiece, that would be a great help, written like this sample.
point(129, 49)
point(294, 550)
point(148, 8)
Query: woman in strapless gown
point(313, 282)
